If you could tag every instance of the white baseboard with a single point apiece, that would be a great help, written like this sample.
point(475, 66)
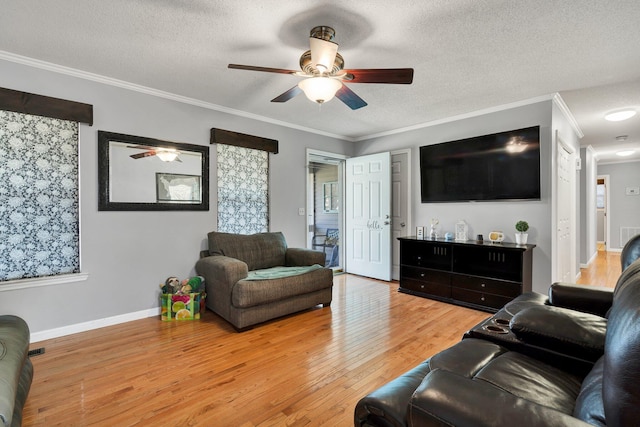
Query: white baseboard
point(593, 258)
point(94, 324)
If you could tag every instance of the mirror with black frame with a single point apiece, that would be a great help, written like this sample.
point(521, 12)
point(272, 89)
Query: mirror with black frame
point(146, 174)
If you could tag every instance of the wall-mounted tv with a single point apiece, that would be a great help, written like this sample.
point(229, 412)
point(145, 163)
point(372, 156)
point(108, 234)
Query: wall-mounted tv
point(500, 166)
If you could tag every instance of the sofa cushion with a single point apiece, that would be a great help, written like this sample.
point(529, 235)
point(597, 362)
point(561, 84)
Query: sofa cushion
point(589, 405)
point(258, 251)
point(250, 293)
point(622, 346)
point(532, 380)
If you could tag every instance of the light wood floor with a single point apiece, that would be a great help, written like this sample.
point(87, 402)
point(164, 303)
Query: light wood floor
point(603, 271)
point(309, 369)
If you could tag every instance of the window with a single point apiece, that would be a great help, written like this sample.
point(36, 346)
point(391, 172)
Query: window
point(39, 215)
point(600, 195)
point(330, 197)
point(243, 190)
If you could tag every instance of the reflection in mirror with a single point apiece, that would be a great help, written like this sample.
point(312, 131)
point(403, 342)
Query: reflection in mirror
point(137, 173)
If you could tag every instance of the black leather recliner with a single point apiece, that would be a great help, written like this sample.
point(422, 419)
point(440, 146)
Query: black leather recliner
point(479, 382)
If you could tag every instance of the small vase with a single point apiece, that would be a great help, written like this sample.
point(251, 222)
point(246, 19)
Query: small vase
point(521, 238)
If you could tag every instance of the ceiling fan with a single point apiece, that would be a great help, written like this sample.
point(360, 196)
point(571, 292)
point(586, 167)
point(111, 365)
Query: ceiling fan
point(324, 74)
point(164, 154)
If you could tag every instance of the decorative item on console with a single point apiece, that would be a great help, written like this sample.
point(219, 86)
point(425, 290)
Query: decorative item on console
point(420, 233)
point(522, 235)
point(448, 236)
point(496, 236)
point(433, 233)
point(461, 231)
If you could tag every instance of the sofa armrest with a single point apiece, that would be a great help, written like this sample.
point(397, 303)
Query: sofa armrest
point(295, 257)
point(14, 348)
point(569, 332)
point(446, 398)
point(592, 299)
point(220, 274)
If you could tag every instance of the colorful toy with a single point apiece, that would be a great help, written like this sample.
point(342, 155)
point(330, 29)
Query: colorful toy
point(195, 284)
point(171, 285)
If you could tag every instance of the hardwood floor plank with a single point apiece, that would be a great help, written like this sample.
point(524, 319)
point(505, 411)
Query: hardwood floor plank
point(308, 369)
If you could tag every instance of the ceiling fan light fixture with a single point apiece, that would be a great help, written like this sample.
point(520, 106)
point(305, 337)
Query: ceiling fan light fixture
point(323, 54)
point(167, 155)
point(320, 89)
point(620, 115)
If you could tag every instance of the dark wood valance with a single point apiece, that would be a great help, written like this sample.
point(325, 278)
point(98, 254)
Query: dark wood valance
point(221, 136)
point(39, 105)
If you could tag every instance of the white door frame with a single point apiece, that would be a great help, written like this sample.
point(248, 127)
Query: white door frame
point(409, 194)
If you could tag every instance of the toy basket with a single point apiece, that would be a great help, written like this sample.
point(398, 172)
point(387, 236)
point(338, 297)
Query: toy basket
point(182, 307)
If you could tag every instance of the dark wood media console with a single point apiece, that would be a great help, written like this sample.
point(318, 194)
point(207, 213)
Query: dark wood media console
point(484, 276)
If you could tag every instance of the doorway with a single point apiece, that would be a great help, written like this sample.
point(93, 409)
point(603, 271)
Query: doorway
point(325, 205)
point(325, 186)
point(602, 197)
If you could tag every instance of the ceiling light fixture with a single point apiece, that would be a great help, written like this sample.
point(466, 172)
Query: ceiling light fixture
point(617, 116)
point(167, 155)
point(320, 89)
point(625, 153)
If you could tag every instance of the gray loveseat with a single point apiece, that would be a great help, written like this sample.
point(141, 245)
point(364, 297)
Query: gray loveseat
point(16, 370)
point(246, 284)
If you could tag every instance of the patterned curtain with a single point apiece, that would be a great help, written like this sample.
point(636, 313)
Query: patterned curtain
point(243, 190)
point(39, 217)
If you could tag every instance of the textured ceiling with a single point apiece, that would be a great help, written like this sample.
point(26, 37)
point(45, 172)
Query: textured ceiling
point(468, 55)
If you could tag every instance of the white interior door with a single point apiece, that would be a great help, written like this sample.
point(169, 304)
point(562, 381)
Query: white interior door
point(368, 216)
point(565, 196)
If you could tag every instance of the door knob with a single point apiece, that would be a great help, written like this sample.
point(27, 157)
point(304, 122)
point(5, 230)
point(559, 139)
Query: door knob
point(402, 224)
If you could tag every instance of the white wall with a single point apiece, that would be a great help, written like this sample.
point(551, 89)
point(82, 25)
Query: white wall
point(624, 210)
point(128, 254)
point(483, 217)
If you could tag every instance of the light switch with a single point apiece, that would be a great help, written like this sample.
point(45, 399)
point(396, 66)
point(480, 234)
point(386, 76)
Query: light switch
point(301, 211)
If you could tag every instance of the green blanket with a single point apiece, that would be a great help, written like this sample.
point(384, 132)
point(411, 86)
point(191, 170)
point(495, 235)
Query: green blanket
point(280, 272)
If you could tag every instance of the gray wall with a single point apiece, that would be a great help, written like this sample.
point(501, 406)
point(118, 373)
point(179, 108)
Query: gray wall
point(483, 217)
point(624, 210)
point(128, 254)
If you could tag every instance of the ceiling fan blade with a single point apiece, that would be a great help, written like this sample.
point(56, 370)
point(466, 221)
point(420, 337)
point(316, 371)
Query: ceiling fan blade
point(381, 75)
point(263, 69)
point(288, 94)
point(350, 98)
point(143, 155)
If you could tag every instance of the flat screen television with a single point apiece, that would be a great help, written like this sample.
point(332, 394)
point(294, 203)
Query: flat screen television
point(500, 166)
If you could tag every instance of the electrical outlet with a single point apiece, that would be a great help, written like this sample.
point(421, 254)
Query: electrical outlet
point(301, 211)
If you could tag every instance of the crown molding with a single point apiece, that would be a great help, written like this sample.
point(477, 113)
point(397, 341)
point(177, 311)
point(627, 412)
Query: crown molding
point(557, 99)
point(469, 115)
point(36, 63)
point(60, 69)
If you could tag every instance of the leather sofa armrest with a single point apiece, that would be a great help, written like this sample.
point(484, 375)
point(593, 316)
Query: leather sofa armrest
point(569, 332)
point(446, 398)
point(387, 406)
point(592, 299)
point(295, 257)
